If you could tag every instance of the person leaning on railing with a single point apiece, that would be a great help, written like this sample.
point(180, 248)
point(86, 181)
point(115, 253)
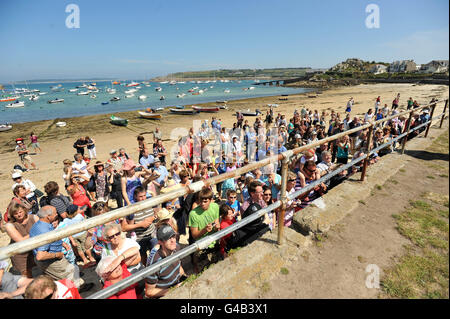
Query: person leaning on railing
point(158, 284)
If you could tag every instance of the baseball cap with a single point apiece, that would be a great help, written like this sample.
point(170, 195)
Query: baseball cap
point(113, 151)
point(16, 175)
point(165, 232)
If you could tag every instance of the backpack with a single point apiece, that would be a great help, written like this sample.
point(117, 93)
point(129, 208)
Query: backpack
point(44, 201)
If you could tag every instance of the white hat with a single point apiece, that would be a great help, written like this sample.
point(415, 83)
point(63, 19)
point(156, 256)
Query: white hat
point(16, 174)
point(298, 136)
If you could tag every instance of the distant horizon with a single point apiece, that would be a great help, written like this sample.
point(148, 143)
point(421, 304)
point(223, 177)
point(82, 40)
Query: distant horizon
point(99, 78)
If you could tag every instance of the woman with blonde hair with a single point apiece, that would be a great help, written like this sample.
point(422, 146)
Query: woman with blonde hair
point(18, 229)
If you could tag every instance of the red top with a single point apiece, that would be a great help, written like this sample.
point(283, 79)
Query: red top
point(67, 290)
point(127, 293)
point(224, 224)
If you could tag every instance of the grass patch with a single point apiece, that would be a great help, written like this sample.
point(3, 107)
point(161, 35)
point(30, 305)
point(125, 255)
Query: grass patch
point(424, 271)
point(265, 287)
point(430, 177)
point(393, 181)
point(361, 259)
point(402, 170)
point(284, 271)
point(443, 175)
point(362, 202)
point(379, 187)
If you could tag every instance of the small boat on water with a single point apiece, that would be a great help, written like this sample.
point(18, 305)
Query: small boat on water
point(104, 103)
point(60, 124)
point(15, 104)
point(158, 89)
point(208, 109)
point(34, 97)
point(183, 111)
point(150, 115)
point(73, 90)
point(93, 96)
point(142, 97)
point(118, 121)
point(226, 91)
point(9, 99)
point(83, 93)
point(132, 83)
point(129, 95)
point(250, 113)
point(42, 93)
point(162, 98)
point(5, 127)
point(181, 95)
point(130, 91)
point(116, 98)
point(56, 101)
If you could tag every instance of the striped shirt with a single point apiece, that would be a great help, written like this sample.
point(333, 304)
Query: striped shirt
point(167, 276)
point(142, 233)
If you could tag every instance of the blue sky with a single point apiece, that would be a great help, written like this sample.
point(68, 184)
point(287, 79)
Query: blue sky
point(139, 39)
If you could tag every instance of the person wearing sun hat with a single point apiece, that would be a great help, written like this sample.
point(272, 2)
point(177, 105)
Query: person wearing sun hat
point(115, 161)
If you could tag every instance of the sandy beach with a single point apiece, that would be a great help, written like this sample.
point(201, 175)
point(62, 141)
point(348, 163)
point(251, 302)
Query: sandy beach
point(56, 142)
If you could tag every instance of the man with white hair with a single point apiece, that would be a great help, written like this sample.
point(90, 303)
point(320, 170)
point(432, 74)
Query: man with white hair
point(50, 257)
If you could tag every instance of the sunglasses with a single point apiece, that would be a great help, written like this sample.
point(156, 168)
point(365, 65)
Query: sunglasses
point(291, 180)
point(268, 194)
point(232, 197)
point(204, 200)
point(99, 206)
point(113, 236)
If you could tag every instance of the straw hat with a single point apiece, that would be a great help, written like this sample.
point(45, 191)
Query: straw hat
point(164, 214)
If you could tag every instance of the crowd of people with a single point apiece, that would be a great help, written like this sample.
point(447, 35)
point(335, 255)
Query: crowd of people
point(90, 187)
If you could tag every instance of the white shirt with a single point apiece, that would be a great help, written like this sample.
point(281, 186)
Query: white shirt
point(128, 243)
point(80, 168)
point(28, 186)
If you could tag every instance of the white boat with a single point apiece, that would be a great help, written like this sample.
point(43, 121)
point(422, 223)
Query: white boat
point(83, 93)
point(93, 96)
point(181, 95)
point(164, 82)
point(173, 82)
point(129, 95)
point(115, 98)
point(226, 91)
point(162, 97)
point(158, 89)
point(56, 101)
point(111, 91)
point(5, 127)
point(148, 85)
point(73, 90)
point(181, 82)
point(142, 97)
point(60, 124)
point(34, 97)
point(138, 87)
point(130, 91)
point(251, 88)
point(201, 91)
point(42, 93)
point(15, 104)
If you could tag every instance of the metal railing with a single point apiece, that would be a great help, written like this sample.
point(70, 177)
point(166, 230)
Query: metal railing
point(34, 242)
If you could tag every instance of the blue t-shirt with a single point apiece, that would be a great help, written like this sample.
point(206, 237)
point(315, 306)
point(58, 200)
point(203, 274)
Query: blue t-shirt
point(147, 161)
point(39, 228)
point(162, 170)
point(236, 206)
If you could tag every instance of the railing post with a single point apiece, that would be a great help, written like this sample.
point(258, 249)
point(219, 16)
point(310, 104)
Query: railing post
point(443, 116)
point(283, 198)
point(366, 161)
point(407, 130)
point(431, 117)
